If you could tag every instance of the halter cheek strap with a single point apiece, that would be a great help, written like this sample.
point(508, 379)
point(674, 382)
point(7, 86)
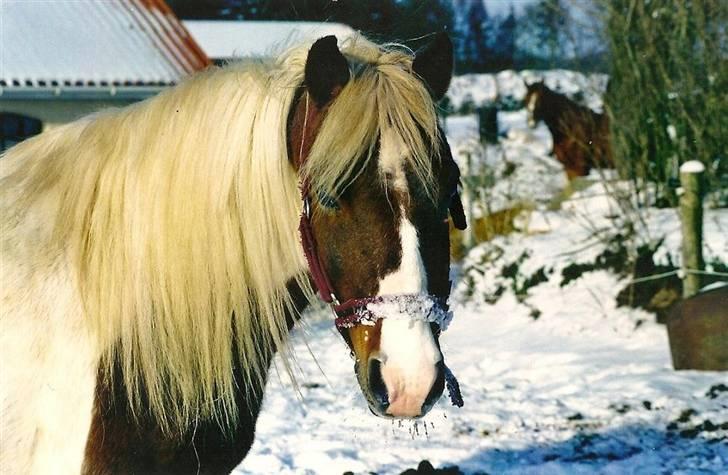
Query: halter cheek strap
point(315, 266)
point(305, 229)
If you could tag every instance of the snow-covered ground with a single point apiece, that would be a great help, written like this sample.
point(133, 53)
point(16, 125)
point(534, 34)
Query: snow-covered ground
point(585, 387)
point(556, 380)
point(476, 90)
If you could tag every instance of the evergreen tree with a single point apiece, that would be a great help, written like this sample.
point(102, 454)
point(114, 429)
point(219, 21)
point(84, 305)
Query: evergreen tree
point(473, 35)
point(548, 20)
point(422, 17)
point(383, 20)
point(504, 47)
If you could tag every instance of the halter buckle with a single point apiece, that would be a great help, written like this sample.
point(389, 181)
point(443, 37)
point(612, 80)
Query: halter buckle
point(307, 206)
point(333, 305)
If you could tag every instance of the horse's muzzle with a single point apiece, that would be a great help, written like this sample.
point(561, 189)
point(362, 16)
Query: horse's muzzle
point(389, 395)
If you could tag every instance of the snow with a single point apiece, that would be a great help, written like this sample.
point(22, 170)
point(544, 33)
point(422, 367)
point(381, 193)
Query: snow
point(578, 390)
point(693, 166)
point(555, 378)
point(242, 39)
point(522, 155)
point(476, 90)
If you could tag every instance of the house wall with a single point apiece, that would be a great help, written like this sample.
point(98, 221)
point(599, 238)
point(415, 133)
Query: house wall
point(53, 113)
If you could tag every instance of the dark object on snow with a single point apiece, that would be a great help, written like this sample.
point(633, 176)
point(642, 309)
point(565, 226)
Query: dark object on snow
point(698, 331)
point(715, 390)
point(426, 468)
point(488, 124)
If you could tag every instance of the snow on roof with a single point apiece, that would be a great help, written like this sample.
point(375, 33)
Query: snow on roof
point(235, 39)
point(94, 43)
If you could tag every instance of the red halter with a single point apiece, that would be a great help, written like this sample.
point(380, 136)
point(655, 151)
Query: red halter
point(318, 273)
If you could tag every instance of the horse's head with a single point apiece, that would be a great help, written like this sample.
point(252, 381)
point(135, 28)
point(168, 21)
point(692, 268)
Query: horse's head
point(380, 220)
point(534, 103)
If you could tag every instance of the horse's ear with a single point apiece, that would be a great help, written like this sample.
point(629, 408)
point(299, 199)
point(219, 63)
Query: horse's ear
point(434, 64)
point(326, 70)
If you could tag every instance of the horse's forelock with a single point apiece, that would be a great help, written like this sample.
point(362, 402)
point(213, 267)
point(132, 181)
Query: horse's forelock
point(381, 96)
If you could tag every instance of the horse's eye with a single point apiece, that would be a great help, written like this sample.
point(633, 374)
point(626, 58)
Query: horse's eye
point(327, 201)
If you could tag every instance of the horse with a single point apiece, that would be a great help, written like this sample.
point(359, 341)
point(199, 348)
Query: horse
point(580, 135)
point(155, 257)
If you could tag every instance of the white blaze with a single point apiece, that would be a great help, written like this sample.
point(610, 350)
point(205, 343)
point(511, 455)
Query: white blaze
point(410, 277)
point(407, 348)
point(530, 107)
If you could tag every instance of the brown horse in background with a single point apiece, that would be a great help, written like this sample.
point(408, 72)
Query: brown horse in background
point(581, 136)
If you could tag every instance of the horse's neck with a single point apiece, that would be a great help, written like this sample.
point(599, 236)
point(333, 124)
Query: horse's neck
point(145, 446)
point(559, 109)
point(553, 111)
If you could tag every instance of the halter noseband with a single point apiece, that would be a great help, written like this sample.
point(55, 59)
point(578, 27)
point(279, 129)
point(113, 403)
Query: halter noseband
point(367, 310)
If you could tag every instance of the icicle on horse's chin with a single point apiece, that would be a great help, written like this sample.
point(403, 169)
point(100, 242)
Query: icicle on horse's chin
point(155, 257)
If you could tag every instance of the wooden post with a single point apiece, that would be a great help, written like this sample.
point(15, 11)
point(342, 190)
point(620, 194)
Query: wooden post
point(488, 124)
point(691, 217)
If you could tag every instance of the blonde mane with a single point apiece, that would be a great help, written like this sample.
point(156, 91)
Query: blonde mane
point(180, 212)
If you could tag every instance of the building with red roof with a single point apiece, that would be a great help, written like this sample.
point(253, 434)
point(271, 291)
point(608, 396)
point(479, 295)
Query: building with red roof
point(62, 60)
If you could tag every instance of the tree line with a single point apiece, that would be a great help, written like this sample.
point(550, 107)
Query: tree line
point(538, 36)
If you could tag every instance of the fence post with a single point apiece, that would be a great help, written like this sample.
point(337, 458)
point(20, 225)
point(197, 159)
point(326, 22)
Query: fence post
point(691, 217)
point(488, 124)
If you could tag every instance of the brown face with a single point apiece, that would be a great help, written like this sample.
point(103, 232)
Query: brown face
point(382, 239)
point(385, 237)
